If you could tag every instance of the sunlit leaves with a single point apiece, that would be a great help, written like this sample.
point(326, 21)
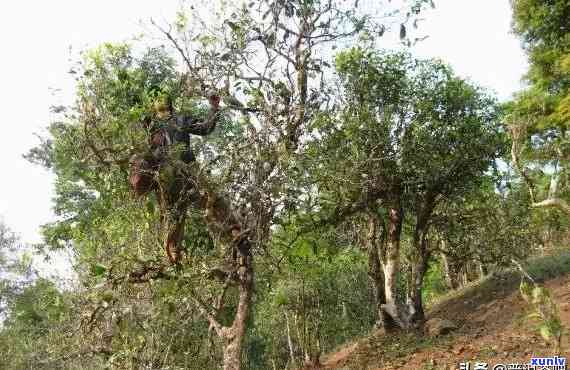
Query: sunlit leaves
point(538, 116)
point(417, 119)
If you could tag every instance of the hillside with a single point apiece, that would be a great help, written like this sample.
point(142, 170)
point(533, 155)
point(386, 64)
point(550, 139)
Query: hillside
point(493, 327)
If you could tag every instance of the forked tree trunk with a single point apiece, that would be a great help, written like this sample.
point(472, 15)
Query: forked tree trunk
point(233, 336)
point(222, 224)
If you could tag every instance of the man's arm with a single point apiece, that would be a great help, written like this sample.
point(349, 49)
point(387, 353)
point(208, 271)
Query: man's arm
point(205, 127)
point(201, 128)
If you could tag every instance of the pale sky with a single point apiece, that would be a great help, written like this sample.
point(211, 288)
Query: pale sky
point(471, 35)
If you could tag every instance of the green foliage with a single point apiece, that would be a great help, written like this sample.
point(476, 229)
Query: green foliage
point(115, 236)
point(36, 307)
point(543, 29)
point(487, 225)
point(408, 123)
point(434, 282)
point(549, 267)
point(28, 331)
point(402, 128)
point(411, 135)
point(539, 115)
point(318, 301)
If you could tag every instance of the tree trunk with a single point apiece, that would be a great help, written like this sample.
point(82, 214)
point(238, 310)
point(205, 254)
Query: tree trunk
point(420, 241)
point(424, 210)
point(450, 278)
point(395, 313)
point(375, 273)
point(224, 225)
point(392, 264)
point(232, 351)
point(233, 336)
point(464, 274)
point(483, 271)
point(290, 341)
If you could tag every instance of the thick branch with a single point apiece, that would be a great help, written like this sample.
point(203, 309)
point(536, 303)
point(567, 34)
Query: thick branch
point(515, 134)
point(203, 308)
point(146, 274)
point(554, 202)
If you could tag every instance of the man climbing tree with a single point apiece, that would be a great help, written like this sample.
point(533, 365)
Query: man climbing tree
point(276, 61)
point(160, 168)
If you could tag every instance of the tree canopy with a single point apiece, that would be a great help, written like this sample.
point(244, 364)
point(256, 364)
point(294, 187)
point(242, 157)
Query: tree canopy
point(334, 187)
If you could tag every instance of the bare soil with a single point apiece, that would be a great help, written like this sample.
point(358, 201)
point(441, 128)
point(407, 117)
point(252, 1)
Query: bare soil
point(494, 327)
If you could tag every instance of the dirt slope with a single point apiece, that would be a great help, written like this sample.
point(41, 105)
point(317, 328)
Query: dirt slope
point(493, 327)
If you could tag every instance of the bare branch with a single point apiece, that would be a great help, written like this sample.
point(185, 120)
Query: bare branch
point(181, 51)
point(516, 133)
point(208, 314)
